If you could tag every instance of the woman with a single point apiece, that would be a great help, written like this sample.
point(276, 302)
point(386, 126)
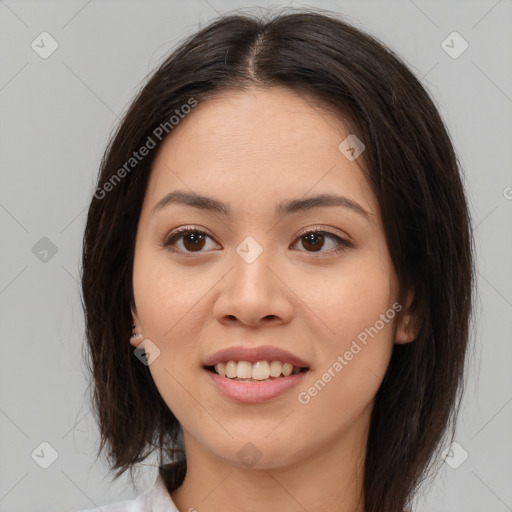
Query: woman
point(278, 274)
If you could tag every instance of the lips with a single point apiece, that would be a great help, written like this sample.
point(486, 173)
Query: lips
point(253, 355)
point(245, 392)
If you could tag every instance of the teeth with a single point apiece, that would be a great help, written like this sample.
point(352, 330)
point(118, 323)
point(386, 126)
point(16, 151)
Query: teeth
point(231, 369)
point(244, 370)
point(275, 368)
point(260, 370)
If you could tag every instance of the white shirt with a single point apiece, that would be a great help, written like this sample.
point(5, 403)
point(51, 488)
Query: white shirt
point(156, 499)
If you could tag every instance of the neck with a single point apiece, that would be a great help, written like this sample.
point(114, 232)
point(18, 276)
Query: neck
point(329, 479)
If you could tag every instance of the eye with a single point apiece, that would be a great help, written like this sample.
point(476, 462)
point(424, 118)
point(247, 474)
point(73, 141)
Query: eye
point(193, 240)
point(315, 240)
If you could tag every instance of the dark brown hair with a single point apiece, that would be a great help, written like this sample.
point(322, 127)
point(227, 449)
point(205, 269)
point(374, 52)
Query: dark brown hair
point(413, 170)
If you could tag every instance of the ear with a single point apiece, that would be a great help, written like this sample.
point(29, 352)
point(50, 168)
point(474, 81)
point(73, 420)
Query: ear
point(135, 340)
point(406, 329)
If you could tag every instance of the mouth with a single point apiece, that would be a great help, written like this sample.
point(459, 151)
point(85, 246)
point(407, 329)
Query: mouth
point(261, 371)
point(244, 382)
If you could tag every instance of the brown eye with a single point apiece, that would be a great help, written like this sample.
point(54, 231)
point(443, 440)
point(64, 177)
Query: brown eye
point(187, 241)
point(192, 240)
point(315, 240)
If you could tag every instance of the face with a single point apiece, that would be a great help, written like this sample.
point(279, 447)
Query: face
point(255, 277)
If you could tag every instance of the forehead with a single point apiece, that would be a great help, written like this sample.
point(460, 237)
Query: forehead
point(263, 144)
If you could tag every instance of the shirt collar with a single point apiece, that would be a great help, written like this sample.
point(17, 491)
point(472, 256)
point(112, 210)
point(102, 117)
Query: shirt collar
point(158, 498)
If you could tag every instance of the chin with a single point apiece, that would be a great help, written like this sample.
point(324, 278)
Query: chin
point(256, 453)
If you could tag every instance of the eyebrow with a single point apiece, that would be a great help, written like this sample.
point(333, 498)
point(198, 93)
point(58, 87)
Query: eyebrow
point(283, 208)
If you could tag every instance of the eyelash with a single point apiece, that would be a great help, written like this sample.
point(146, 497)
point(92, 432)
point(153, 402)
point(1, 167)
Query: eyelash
point(176, 235)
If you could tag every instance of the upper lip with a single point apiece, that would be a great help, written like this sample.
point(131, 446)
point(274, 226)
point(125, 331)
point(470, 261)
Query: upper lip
point(254, 354)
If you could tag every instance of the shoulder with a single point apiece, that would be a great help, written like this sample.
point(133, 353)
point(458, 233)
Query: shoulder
point(136, 505)
point(155, 499)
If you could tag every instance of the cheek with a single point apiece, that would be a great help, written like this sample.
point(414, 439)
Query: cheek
point(355, 321)
point(354, 354)
point(167, 303)
point(349, 298)
point(168, 297)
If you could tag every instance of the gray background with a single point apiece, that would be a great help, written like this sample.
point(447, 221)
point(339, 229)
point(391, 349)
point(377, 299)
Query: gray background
point(57, 114)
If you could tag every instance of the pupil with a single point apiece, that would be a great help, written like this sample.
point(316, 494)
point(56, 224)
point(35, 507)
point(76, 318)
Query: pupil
point(310, 240)
point(195, 240)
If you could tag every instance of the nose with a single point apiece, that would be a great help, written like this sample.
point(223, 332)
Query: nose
point(254, 293)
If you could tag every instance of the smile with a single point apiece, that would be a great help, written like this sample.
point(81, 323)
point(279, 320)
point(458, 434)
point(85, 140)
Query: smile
point(249, 389)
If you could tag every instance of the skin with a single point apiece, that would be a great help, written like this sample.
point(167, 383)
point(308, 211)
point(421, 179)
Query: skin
point(253, 149)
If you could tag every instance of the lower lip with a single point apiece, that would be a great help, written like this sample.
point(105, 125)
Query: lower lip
point(254, 392)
